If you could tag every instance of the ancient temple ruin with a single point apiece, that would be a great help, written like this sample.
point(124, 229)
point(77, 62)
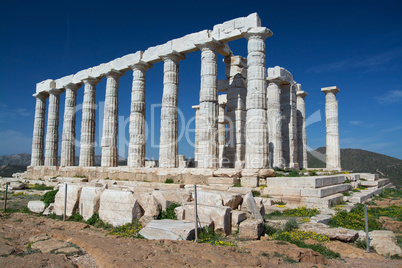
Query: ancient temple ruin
point(248, 123)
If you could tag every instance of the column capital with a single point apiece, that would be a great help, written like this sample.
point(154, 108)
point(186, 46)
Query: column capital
point(72, 86)
point(142, 65)
point(196, 107)
point(173, 56)
point(91, 81)
point(258, 33)
point(114, 74)
point(56, 91)
point(215, 46)
point(43, 95)
point(333, 89)
point(301, 93)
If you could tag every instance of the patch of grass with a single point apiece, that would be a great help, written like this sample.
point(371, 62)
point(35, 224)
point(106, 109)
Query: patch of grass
point(363, 179)
point(346, 193)
point(299, 235)
point(18, 194)
point(256, 193)
point(265, 254)
point(237, 184)
point(356, 190)
point(359, 243)
point(18, 220)
point(80, 176)
point(347, 180)
point(293, 173)
point(291, 225)
point(301, 212)
point(280, 203)
point(76, 217)
point(48, 197)
point(207, 235)
point(399, 240)
point(40, 187)
point(285, 258)
point(169, 181)
point(95, 221)
point(54, 216)
point(127, 230)
point(269, 230)
point(25, 210)
point(389, 193)
point(275, 213)
point(371, 203)
point(169, 213)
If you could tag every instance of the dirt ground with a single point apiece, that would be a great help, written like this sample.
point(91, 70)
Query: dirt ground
point(98, 250)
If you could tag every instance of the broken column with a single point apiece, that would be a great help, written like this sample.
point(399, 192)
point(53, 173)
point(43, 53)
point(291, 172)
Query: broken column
point(68, 136)
point(39, 129)
point(136, 148)
point(236, 73)
point(168, 148)
point(333, 153)
point(301, 128)
point(110, 120)
point(52, 133)
point(256, 123)
point(222, 122)
point(87, 150)
point(278, 80)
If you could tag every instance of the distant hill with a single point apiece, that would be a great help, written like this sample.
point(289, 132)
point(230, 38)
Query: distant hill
point(15, 159)
point(357, 160)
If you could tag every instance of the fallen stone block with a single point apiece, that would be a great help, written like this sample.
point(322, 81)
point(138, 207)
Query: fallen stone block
point(15, 185)
point(167, 197)
point(73, 196)
point(250, 206)
point(150, 205)
point(208, 198)
point(237, 217)
point(118, 207)
point(36, 206)
point(169, 230)
point(385, 243)
point(249, 181)
point(251, 229)
point(49, 210)
point(89, 201)
point(49, 245)
point(341, 234)
point(71, 180)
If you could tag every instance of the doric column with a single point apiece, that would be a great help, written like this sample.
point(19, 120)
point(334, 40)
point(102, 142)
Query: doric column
point(222, 122)
point(293, 128)
point(236, 73)
point(208, 131)
point(168, 147)
point(39, 129)
point(286, 114)
point(87, 149)
point(274, 123)
point(52, 132)
point(136, 148)
point(256, 123)
point(301, 128)
point(196, 135)
point(110, 120)
point(68, 136)
point(331, 114)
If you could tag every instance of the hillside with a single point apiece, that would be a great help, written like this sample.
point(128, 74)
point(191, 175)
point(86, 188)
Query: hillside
point(357, 160)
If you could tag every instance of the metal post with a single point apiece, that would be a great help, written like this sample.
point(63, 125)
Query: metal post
point(65, 202)
point(195, 214)
point(5, 200)
point(367, 229)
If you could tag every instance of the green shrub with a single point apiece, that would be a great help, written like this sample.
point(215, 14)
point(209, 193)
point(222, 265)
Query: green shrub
point(256, 193)
point(355, 219)
point(76, 217)
point(301, 212)
point(40, 187)
point(291, 225)
point(98, 223)
point(269, 230)
point(169, 181)
point(275, 213)
point(48, 197)
point(293, 173)
point(281, 203)
point(169, 213)
point(359, 243)
point(207, 235)
point(346, 194)
point(127, 230)
point(237, 184)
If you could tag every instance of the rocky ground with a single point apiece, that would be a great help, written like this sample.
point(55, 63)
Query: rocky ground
point(28, 240)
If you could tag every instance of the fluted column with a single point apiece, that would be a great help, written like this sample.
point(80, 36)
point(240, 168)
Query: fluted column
point(293, 128)
point(52, 132)
point(286, 114)
point(68, 136)
point(39, 129)
point(168, 147)
point(110, 120)
point(136, 148)
point(333, 152)
point(256, 123)
point(196, 135)
point(301, 129)
point(274, 123)
point(222, 122)
point(208, 131)
point(87, 149)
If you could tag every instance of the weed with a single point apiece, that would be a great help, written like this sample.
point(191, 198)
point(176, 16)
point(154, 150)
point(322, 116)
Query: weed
point(293, 173)
point(346, 194)
point(359, 243)
point(285, 258)
point(25, 210)
point(169, 213)
point(207, 235)
point(301, 212)
point(76, 217)
point(363, 179)
point(269, 230)
point(48, 197)
point(40, 187)
point(98, 223)
point(281, 203)
point(18, 220)
point(291, 225)
point(256, 193)
point(127, 230)
point(80, 176)
point(169, 181)
point(265, 254)
point(347, 180)
point(237, 184)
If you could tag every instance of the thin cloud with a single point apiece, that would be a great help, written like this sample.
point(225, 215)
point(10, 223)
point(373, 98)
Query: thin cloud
point(368, 63)
point(355, 123)
point(392, 96)
point(392, 129)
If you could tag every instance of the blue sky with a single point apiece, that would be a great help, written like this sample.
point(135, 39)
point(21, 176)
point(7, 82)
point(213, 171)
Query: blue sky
point(355, 45)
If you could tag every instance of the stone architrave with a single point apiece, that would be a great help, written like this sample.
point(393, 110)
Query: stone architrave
point(197, 134)
point(68, 136)
point(110, 120)
point(168, 147)
point(136, 148)
point(222, 122)
point(256, 120)
point(236, 109)
point(87, 149)
point(39, 129)
point(333, 153)
point(208, 129)
point(52, 134)
point(301, 128)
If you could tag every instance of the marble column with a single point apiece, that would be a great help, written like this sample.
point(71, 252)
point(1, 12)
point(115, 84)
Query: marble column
point(196, 134)
point(333, 153)
point(52, 132)
point(87, 149)
point(136, 148)
point(293, 128)
point(236, 72)
point(68, 136)
point(208, 131)
point(168, 147)
point(286, 114)
point(222, 122)
point(274, 123)
point(39, 129)
point(256, 121)
point(301, 128)
point(110, 120)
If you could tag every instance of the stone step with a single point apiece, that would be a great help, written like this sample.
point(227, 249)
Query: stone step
point(379, 183)
point(305, 182)
point(324, 202)
point(364, 195)
point(369, 176)
point(325, 191)
point(321, 218)
point(222, 181)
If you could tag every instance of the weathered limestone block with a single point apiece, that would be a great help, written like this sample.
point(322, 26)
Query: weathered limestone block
point(169, 230)
point(341, 234)
point(265, 172)
point(251, 229)
point(70, 180)
point(15, 185)
point(167, 197)
point(118, 207)
point(89, 201)
point(149, 204)
point(227, 172)
point(231, 200)
point(249, 205)
point(237, 218)
point(249, 181)
point(209, 198)
point(222, 180)
point(36, 206)
point(385, 243)
point(49, 210)
point(369, 176)
point(73, 196)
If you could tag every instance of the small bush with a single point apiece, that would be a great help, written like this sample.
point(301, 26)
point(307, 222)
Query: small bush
point(293, 173)
point(207, 235)
point(48, 197)
point(346, 194)
point(169, 213)
point(301, 212)
point(40, 187)
point(98, 223)
point(237, 184)
point(281, 203)
point(291, 225)
point(347, 180)
point(128, 230)
point(269, 230)
point(275, 213)
point(76, 217)
point(169, 181)
point(256, 193)
point(359, 243)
